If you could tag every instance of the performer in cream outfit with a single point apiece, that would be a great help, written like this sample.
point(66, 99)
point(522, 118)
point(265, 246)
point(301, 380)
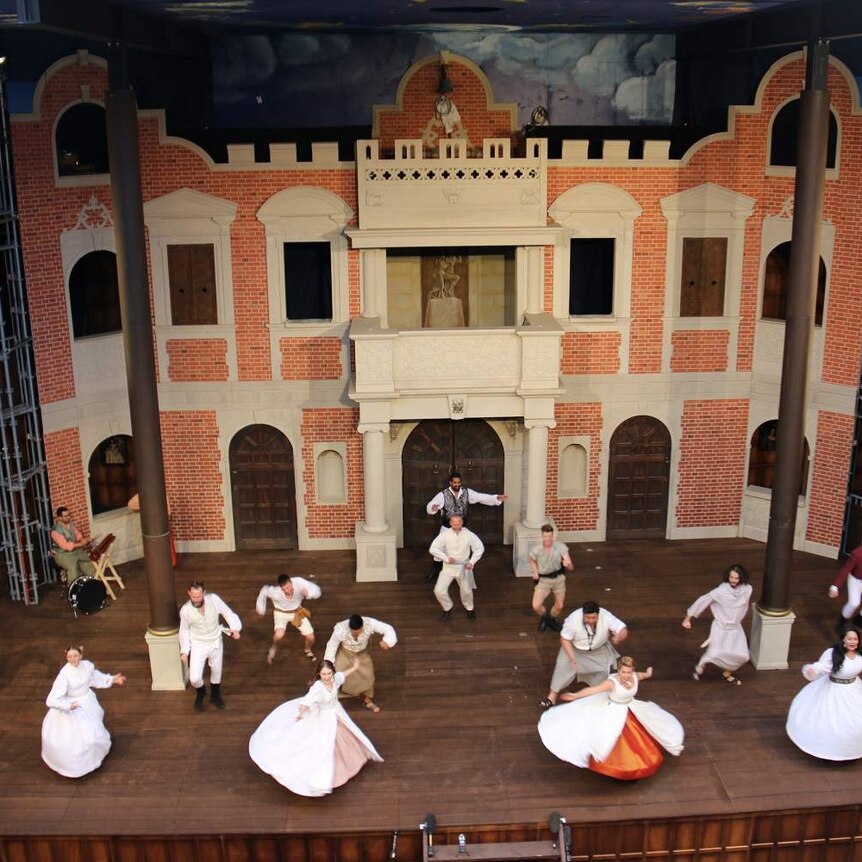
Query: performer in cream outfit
point(459, 550)
point(351, 639)
point(200, 640)
point(287, 596)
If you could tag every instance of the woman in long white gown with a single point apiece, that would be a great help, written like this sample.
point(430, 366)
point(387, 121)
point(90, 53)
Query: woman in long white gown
point(825, 718)
point(605, 729)
point(74, 738)
point(726, 646)
point(310, 744)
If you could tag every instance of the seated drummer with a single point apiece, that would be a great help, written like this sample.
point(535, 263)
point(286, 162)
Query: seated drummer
point(70, 548)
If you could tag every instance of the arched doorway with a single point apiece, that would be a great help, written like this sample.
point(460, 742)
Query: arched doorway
point(263, 489)
point(435, 448)
point(638, 480)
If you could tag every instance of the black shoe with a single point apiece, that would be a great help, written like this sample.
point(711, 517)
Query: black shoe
point(841, 625)
point(445, 615)
point(200, 693)
point(471, 615)
point(215, 695)
point(430, 576)
point(543, 622)
point(554, 624)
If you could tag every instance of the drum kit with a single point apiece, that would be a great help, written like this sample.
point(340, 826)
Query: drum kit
point(89, 595)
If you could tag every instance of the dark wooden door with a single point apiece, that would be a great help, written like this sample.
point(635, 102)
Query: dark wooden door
point(263, 489)
point(433, 450)
point(638, 480)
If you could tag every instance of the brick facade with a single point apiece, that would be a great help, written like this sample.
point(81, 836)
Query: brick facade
point(711, 432)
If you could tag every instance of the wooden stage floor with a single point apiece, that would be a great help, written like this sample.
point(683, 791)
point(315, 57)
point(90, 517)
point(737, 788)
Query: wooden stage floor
point(459, 703)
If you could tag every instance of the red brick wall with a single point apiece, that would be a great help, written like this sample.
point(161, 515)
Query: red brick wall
point(699, 350)
point(590, 353)
point(67, 480)
point(712, 452)
point(197, 360)
point(417, 107)
point(829, 478)
point(310, 358)
point(575, 420)
point(548, 275)
point(193, 474)
point(333, 425)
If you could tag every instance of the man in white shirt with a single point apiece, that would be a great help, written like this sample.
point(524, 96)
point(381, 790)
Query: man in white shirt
point(200, 640)
point(458, 550)
point(456, 500)
point(351, 639)
point(587, 651)
point(287, 596)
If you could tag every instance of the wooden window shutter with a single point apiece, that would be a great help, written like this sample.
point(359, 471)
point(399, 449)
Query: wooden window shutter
point(704, 271)
point(191, 273)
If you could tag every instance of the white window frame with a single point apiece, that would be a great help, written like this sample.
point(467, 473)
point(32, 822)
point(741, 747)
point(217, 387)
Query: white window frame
point(188, 217)
point(304, 214)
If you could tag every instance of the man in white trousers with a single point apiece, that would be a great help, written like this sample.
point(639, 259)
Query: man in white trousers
point(458, 550)
point(200, 640)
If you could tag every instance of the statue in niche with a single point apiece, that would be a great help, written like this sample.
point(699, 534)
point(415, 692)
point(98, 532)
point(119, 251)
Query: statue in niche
point(444, 310)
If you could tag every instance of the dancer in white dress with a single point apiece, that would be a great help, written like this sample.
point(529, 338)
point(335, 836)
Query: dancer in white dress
point(825, 718)
point(310, 744)
point(726, 646)
point(74, 738)
point(605, 729)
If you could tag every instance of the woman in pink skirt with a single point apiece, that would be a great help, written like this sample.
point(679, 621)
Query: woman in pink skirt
point(310, 744)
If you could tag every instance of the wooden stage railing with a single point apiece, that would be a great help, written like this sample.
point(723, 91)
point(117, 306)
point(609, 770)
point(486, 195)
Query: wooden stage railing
point(809, 835)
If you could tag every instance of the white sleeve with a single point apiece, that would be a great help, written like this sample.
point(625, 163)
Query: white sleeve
point(384, 629)
point(311, 590)
point(314, 696)
point(260, 604)
point(333, 644)
point(185, 634)
point(438, 548)
point(699, 605)
point(101, 680)
point(615, 624)
point(436, 500)
point(484, 499)
point(58, 697)
point(234, 623)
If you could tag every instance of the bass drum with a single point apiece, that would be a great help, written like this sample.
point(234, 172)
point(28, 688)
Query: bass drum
point(88, 596)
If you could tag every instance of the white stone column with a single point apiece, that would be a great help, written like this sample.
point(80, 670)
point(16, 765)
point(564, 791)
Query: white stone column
point(375, 539)
point(374, 479)
point(533, 260)
point(527, 531)
point(373, 280)
point(537, 473)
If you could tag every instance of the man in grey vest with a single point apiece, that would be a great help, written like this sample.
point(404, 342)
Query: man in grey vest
point(456, 500)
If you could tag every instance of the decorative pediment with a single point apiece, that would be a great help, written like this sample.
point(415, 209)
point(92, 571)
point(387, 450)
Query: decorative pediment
point(189, 204)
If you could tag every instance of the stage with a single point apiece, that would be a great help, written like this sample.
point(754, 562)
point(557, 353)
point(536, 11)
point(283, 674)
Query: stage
point(459, 704)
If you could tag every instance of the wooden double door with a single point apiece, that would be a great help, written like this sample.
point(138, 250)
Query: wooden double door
point(638, 479)
point(263, 489)
point(433, 450)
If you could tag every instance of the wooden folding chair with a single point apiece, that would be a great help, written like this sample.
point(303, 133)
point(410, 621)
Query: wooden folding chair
point(101, 557)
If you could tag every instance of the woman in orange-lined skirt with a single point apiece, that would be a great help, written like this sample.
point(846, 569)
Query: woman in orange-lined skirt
point(605, 729)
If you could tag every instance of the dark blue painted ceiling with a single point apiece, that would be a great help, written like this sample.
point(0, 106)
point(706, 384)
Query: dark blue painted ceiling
point(522, 15)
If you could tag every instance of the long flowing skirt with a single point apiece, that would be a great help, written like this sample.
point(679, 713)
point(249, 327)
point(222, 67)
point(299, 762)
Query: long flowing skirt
point(312, 755)
point(596, 730)
point(825, 719)
point(76, 742)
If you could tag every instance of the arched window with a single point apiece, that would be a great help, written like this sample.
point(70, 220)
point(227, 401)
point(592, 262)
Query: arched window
point(113, 474)
point(94, 295)
point(82, 141)
point(761, 459)
point(775, 285)
point(782, 148)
